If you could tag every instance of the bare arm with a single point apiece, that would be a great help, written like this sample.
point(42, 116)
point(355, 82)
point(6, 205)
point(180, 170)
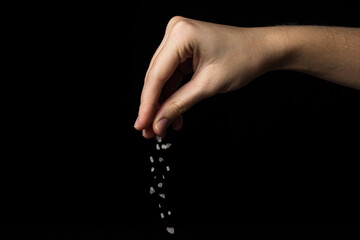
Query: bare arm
point(330, 53)
point(224, 58)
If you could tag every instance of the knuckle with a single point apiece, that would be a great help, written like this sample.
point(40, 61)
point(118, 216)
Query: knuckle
point(180, 26)
point(177, 107)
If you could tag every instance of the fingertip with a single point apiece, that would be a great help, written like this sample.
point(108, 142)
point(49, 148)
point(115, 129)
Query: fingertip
point(161, 126)
point(148, 133)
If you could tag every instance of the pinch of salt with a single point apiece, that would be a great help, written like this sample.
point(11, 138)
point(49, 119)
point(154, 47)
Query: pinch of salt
point(157, 146)
point(161, 159)
point(152, 190)
point(170, 230)
point(162, 195)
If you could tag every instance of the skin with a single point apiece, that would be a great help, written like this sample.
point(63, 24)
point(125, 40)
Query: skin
point(225, 58)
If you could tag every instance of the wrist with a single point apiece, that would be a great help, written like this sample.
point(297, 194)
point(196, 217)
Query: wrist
point(282, 48)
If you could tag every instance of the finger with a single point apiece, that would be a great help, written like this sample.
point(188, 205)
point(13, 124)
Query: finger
point(148, 133)
point(161, 70)
point(169, 27)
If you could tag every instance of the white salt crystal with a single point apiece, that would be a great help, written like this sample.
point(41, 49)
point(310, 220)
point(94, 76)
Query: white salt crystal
point(154, 177)
point(163, 176)
point(169, 213)
point(161, 159)
point(157, 146)
point(170, 230)
point(165, 146)
point(151, 159)
point(162, 195)
point(159, 139)
point(167, 168)
point(160, 185)
point(162, 215)
point(159, 205)
point(152, 190)
point(152, 169)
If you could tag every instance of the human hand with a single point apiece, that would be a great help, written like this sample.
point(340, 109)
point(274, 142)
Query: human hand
point(222, 58)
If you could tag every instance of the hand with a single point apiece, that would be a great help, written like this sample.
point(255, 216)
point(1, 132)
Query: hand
point(222, 58)
point(225, 58)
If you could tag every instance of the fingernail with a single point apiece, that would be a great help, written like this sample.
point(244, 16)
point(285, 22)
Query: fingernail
point(161, 125)
point(136, 122)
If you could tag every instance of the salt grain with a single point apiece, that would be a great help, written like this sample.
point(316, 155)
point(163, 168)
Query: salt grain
point(159, 139)
point(170, 230)
point(152, 169)
point(151, 159)
point(162, 215)
point(157, 146)
point(160, 185)
point(152, 190)
point(167, 168)
point(162, 195)
point(161, 159)
point(165, 146)
point(169, 213)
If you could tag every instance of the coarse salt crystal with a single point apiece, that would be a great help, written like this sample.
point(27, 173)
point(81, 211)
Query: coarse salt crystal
point(170, 230)
point(152, 190)
point(165, 146)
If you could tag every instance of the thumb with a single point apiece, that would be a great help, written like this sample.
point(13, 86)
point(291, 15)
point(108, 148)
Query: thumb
point(178, 103)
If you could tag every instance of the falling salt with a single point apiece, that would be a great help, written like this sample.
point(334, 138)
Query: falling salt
point(159, 139)
point(165, 146)
point(170, 230)
point(161, 168)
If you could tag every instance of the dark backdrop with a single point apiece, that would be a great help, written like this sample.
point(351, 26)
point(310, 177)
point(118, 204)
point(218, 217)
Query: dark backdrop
point(280, 152)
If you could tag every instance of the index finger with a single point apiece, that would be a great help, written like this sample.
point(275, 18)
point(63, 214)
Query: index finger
point(162, 67)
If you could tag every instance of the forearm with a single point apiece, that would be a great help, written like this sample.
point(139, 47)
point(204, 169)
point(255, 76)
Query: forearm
point(330, 53)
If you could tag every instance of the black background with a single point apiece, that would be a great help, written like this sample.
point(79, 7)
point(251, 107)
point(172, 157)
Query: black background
point(279, 153)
